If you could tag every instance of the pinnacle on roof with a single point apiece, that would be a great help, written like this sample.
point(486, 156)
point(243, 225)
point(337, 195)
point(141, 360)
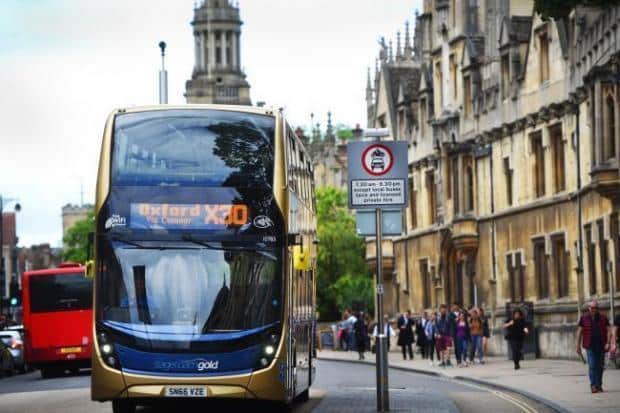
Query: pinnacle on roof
point(408, 49)
point(330, 137)
point(390, 52)
point(398, 50)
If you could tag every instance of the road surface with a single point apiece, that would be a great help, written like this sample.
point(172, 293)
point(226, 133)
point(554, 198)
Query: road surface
point(341, 387)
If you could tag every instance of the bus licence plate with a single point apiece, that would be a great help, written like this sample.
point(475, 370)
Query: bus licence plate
point(66, 350)
point(186, 391)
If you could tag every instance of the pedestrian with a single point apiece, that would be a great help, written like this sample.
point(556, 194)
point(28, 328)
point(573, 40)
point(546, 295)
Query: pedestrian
point(516, 332)
point(461, 340)
point(443, 335)
point(486, 331)
point(405, 334)
point(453, 315)
point(388, 331)
point(420, 336)
point(360, 329)
point(476, 334)
point(429, 332)
point(350, 336)
point(594, 334)
point(342, 331)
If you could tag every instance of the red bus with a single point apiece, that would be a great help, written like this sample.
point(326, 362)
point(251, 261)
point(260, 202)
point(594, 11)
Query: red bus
point(57, 307)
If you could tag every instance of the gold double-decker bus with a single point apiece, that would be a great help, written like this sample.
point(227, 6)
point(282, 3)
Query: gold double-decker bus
point(204, 257)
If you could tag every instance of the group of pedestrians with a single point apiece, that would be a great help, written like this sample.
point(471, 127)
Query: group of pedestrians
point(465, 331)
point(435, 334)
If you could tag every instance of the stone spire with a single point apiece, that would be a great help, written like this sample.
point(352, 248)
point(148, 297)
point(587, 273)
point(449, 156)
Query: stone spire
point(399, 54)
point(368, 88)
point(408, 49)
point(330, 138)
point(390, 52)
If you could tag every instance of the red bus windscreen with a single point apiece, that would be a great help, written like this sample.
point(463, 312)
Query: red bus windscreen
point(61, 292)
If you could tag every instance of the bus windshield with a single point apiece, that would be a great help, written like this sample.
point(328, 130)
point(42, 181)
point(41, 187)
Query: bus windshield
point(60, 292)
point(193, 147)
point(188, 289)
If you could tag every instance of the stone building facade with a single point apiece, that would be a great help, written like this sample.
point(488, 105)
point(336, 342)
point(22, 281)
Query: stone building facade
point(8, 252)
point(218, 75)
point(72, 214)
point(513, 126)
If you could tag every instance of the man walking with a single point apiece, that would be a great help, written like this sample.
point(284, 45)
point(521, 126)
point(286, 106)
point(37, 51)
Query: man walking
point(593, 333)
point(405, 334)
point(443, 336)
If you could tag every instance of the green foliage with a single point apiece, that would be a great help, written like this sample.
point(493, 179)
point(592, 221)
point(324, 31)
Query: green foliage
point(76, 239)
point(344, 132)
point(350, 289)
point(559, 9)
point(342, 273)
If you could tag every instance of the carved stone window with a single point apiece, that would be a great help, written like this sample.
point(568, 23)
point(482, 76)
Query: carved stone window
point(538, 153)
point(432, 199)
point(467, 100)
point(558, 147)
point(540, 267)
point(543, 56)
point(609, 124)
point(508, 175)
point(560, 265)
point(505, 75)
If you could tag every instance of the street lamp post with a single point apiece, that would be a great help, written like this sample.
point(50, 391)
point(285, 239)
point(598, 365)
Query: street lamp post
point(163, 76)
point(18, 208)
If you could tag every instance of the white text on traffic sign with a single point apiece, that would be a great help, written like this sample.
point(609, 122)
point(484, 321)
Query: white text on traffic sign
point(377, 192)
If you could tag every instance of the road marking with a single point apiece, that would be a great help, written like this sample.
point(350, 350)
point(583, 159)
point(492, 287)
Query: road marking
point(505, 396)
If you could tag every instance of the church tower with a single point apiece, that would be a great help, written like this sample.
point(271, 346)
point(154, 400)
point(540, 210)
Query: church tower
point(217, 76)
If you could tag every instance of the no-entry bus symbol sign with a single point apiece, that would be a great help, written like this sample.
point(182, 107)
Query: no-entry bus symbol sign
point(377, 174)
point(377, 159)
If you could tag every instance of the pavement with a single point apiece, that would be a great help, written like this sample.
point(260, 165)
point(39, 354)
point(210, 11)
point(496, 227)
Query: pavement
point(560, 384)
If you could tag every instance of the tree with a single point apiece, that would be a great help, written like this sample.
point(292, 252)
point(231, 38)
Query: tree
point(343, 277)
point(560, 9)
point(344, 132)
point(76, 239)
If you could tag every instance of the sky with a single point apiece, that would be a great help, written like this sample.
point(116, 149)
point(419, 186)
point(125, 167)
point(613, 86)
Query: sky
point(66, 64)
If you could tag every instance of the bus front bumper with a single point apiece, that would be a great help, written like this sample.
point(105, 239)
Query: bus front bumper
point(108, 384)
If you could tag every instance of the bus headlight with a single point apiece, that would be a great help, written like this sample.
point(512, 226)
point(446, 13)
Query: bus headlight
point(107, 349)
point(269, 350)
point(108, 354)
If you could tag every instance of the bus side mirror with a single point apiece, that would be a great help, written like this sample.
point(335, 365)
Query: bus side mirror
point(90, 240)
point(89, 265)
point(89, 269)
point(301, 258)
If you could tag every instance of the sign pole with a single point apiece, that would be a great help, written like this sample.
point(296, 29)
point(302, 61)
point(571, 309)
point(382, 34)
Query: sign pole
point(377, 178)
point(383, 399)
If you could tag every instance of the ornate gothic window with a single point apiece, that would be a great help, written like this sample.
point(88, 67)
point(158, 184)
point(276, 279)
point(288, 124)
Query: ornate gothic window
point(609, 125)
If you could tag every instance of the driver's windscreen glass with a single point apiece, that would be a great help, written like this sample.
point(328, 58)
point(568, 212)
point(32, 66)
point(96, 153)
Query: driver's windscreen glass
point(192, 147)
point(194, 290)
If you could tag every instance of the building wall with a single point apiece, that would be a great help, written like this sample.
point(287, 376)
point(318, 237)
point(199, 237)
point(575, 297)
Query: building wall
point(518, 217)
point(72, 214)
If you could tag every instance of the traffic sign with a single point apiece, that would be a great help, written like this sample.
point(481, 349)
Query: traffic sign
point(377, 174)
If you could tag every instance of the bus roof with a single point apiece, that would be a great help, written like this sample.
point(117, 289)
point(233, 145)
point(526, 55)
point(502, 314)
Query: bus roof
point(269, 111)
point(64, 268)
